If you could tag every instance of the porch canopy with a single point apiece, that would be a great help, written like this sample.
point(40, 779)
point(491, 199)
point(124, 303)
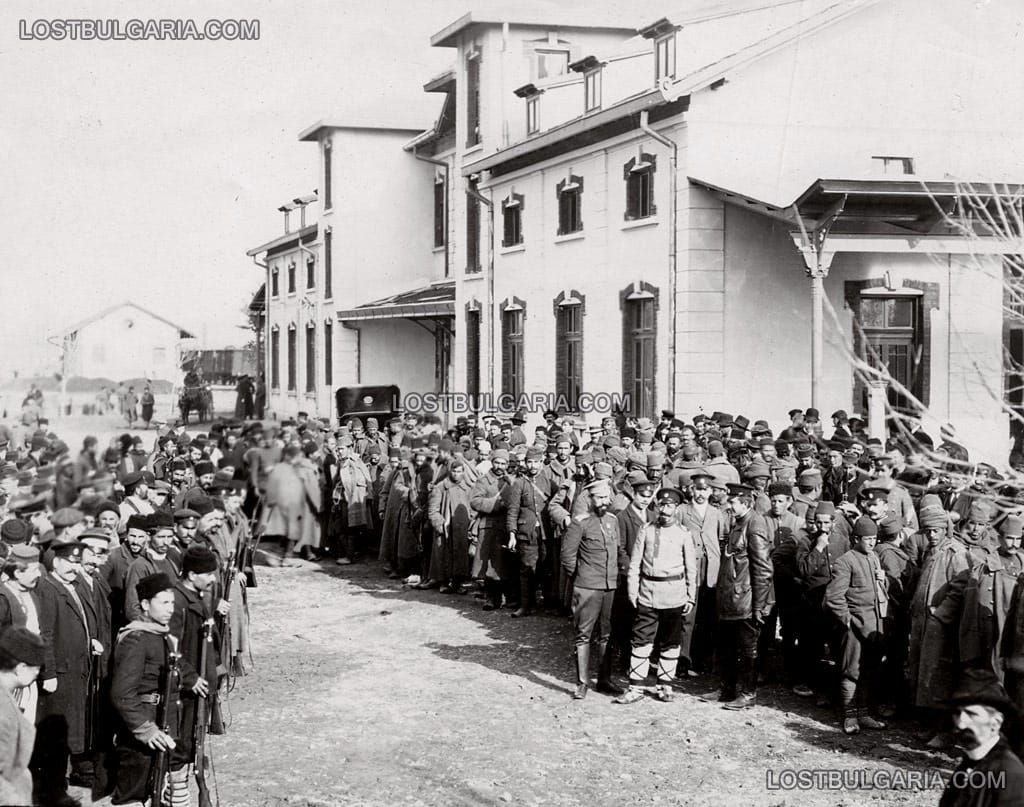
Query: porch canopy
point(435, 302)
point(886, 216)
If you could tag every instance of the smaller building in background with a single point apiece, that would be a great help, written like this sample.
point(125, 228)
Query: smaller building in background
point(124, 341)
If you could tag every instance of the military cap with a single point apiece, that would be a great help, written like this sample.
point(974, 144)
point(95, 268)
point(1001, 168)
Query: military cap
point(1012, 527)
point(638, 479)
point(26, 553)
point(804, 450)
point(890, 525)
point(185, 514)
point(600, 487)
point(739, 490)
point(874, 493)
point(15, 531)
point(700, 473)
point(810, 478)
point(130, 479)
point(23, 646)
point(864, 527)
point(72, 550)
point(757, 470)
point(67, 517)
point(668, 493)
point(151, 585)
point(97, 534)
point(198, 559)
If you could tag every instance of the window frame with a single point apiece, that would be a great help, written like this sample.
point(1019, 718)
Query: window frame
point(513, 360)
point(291, 368)
point(328, 264)
point(571, 187)
point(310, 273)
point(592, 85)
point(665, 57)
point(547, 50)
point(473, 265)
point(512, 212)
point(291, 278)
point(473, 329)
point(328, 353)
point(328, 178)
point(275, 358)
point(473, 62)
point(533, 114)
point(310, 351)
point(570, 312)
point(440, 211)
point(275, 283)
point(637, 200)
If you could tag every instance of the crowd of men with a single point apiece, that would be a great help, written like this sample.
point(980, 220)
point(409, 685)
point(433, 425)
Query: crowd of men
point(123, 613)
point(879, 578)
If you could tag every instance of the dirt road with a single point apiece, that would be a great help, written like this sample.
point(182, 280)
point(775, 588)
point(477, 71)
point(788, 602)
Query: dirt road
point(365, 693)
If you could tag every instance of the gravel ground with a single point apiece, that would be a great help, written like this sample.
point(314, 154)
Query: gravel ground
point(367, 693)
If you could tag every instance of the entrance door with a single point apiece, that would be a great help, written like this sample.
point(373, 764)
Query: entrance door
point(892, 341)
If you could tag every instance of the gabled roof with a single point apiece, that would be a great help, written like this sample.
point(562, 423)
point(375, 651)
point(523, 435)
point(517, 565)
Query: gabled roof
point(184, 334)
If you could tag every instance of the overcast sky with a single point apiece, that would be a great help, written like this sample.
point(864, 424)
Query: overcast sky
point(145, 170)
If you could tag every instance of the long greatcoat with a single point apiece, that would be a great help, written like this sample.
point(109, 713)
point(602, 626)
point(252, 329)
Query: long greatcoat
point(932, 660)
point(986, 606)
point(292, 503)
point(17, 735)
point(491, 561)
point(449, 514)
point(67, 658)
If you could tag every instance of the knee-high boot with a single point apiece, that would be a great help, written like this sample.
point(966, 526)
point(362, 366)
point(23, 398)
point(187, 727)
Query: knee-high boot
point(526, 593)
point(582, 670)
point(604, 675)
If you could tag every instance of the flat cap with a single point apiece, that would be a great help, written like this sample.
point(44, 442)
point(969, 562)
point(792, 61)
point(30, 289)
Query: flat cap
point(67, 517)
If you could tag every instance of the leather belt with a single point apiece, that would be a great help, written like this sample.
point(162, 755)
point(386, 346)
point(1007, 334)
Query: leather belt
point(151, 697)
point(665, 579)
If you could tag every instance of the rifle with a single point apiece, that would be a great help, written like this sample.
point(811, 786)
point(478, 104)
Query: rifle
point(202, 718)
point(158, 790)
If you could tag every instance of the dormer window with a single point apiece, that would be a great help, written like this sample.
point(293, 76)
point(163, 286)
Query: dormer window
point(664, 35)
point(590, 67)
point(532, 96)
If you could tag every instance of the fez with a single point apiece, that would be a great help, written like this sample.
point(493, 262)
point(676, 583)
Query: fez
point(825, 509)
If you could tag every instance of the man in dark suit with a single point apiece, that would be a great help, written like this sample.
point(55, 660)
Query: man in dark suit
point(64, 679)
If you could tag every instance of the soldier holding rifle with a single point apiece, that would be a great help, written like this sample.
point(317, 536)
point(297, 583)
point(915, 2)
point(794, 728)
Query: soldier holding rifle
point(144, 692)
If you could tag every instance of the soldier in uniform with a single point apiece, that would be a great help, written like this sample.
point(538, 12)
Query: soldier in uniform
point(744, 598)
point(662, 586)
point(525, 524)
point(590, 557)
point(141, 663)
point(856, 597)
point(191, 624)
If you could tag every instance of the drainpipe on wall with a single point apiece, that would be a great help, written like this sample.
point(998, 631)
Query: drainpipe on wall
point(266, 336)
point(445, 166)
point(490, 285)
point(672, 236)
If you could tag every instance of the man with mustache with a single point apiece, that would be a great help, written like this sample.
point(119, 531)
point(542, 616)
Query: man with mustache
point(989, 773)
point(662, 586)
point(591, 559)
